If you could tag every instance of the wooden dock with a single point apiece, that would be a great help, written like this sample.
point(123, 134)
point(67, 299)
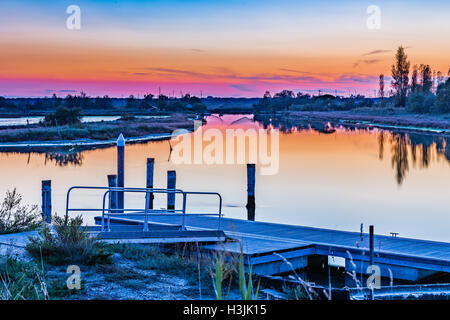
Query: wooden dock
point(267, 246)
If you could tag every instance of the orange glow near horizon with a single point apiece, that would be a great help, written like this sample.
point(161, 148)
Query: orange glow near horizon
point(231, 49)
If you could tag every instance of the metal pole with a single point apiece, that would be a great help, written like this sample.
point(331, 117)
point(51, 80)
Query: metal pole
point(112, 183)
point(171, 185)
point(183, 224)
point(147, 199)
point(120, 170)
point(149, 185)
point(47, 200)
point(371, 240)
point(251, 192)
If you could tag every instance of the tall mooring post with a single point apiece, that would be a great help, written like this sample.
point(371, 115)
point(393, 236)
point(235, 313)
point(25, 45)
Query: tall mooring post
point(371, 244)
point(251, 192)
point(47, 200)
point(171, 184)
point(120, 170)
point(112, 183)
point(149, 183)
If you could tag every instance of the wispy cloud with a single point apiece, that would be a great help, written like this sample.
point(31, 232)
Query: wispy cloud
point(51, 91)
point(354, 77)
point(376, 52)
point(248, 82)
point(243, 87)
point(198, 50)
point(365, 61)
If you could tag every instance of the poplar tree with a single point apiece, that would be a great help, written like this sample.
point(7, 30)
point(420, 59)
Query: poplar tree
point(381, 91)
point(414, 76)
point(400, 76)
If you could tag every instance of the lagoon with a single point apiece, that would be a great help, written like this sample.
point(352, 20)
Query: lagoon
point(398, 182)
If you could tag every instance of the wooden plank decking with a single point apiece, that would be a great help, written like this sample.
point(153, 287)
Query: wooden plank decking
point(261, 238)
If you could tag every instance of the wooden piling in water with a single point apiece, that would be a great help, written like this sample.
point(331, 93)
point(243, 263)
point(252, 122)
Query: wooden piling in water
point(112, 183)
point(149, 184)
point(120, 171)
point(47, 200)
point(251, 192)
point(171, 184)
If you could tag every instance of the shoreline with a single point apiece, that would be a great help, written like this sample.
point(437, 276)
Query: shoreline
point(412, 122)
point(91, 135)
point(80, 144)
point(422, 124)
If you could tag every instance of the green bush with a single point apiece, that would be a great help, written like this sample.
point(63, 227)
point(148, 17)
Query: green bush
point(443, 98)
point(420, 102)
point(70, 243)
point(15, 217)
point(63, 116)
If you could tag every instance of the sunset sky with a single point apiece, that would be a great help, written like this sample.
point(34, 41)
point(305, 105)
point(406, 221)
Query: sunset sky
point(226, 48)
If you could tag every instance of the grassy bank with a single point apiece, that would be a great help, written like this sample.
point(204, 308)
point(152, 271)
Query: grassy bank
point(362, 117)
point(130, 127)
point(399, 117)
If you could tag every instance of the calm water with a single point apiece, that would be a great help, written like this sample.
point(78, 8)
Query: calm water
point(397, 182)
point(33, 120)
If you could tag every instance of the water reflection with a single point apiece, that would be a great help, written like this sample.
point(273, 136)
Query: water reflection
point(65, 158)
point(421, 148)
point(406, 147)
point(399, 161)
point(329, 180)
point(59, 158)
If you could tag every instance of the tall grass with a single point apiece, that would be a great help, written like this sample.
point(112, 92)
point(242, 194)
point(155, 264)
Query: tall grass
point(223, 270)
point(21, 280)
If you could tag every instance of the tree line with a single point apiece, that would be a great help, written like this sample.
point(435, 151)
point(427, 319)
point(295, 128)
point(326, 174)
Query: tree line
point(83, 102)
point(425, 91)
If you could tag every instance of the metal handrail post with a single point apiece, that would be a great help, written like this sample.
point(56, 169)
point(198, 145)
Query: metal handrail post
point(147, 201)
point(220, 211)
point(103, 213)
point(107, 210)
point(67, 201)
point(183, 223)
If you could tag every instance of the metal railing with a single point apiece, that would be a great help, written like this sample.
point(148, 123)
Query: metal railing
point(108, 211)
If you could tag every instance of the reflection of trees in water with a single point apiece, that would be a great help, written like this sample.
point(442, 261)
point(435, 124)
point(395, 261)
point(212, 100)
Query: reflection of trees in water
point(446, 149)
point(381, 138)
point(284, 124)
point(65, 158)
point(287, 125)
point(421, 146)
point(399, 146)
point(425, 144)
